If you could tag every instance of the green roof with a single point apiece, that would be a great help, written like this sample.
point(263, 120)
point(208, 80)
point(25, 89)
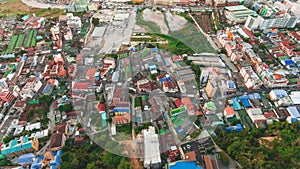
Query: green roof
point(178, 110)
point(162, 131)
point(210, 106)
point(179, 123)
point(144, 97)
point(33, 102)
point(283, 57)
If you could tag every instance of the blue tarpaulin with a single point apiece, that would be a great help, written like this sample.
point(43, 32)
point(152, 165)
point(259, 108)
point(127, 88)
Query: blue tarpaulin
point(25, 158)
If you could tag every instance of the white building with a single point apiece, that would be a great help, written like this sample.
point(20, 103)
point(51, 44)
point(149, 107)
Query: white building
point(284, 21)
point(256, 115)
point(151, 148)
point(32, 86)
point(251, 79)
point(73, 21)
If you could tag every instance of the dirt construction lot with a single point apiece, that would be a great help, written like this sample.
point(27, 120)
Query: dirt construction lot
point(156, 17)
point(175, 22)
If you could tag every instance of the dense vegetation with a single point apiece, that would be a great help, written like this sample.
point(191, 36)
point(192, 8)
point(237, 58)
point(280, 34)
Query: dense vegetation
point(91, 156)
point(252, 151)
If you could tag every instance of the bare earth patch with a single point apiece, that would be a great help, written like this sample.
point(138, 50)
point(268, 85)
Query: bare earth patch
point(156, 17)
point(175, 22)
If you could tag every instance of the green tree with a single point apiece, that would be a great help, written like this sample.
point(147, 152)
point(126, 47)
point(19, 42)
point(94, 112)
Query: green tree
point(111, 160)
point(66, 107)
point(45, 99)
point(125, 164)
point(95, 21)
point(8, 138)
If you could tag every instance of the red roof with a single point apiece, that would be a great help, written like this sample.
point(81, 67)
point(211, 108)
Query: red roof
point(199, 113)
point(177, 58)
point(101, 107)
point(270, 115)
point(229, 110)
point(248, 32)
point(187, 102)
point(177, 102)
point(81, 85)
point(73, 113)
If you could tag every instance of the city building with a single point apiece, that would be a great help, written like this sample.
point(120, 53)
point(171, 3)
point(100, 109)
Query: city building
point(238, 14)
point(7, 97)
point(256, 116)
point(151, 148)
point(229, 112)
point(211, 88)
point(18, 147)
point(294, 115)
point(252, 81)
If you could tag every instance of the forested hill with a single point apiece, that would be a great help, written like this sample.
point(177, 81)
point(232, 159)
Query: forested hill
point(277, 147)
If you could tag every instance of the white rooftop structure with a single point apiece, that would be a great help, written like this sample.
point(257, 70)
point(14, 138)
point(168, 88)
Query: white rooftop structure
point(256, 115)
point(151, 147)
point(98, 32)
point(294, 114)
point(295, 96)
point(33, 126)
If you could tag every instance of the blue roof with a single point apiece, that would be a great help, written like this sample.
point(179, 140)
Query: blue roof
point(288, 62)
point(280, 93)
point(138, 119)
point(236, 105)
point(257, 96)
point(167, 61)
point(153, 49)
point(37, 163)
point(25, 158)
point(185, 165)
point(25, 17)
point(254, 96)
point(158, 57)
point(246, 102)
point(230, 84)
point(103, 115)
point(47, 89)
point(121, 109)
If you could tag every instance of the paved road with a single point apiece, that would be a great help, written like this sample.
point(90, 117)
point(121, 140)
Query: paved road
point(43, 5)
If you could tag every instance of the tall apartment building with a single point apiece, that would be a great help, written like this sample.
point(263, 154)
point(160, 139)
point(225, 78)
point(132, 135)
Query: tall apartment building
point(259, 22)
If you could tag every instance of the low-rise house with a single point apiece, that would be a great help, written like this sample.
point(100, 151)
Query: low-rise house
point(32, 86)
point(210, 107)
point(186, 101)
point(294, 115)
point(57, 141)
point(229, 112)
point(251, 79)
point(256, 115)
point(21, 146)
point(7, 97)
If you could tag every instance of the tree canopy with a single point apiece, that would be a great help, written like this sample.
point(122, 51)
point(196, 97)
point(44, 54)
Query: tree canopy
point(276, 147)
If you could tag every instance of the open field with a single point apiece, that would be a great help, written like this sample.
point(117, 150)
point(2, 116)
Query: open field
point(17, 7)
point(158, 18)
point(193, 39)
point(175, 22)
point(183, 37)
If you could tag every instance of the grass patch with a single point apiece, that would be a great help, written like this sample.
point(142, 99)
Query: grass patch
point(294, 80)
point(137, 102)
point(150, 26)
point(193, 39)
point(174, 45)
point(125, 129)
point(17, 7)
